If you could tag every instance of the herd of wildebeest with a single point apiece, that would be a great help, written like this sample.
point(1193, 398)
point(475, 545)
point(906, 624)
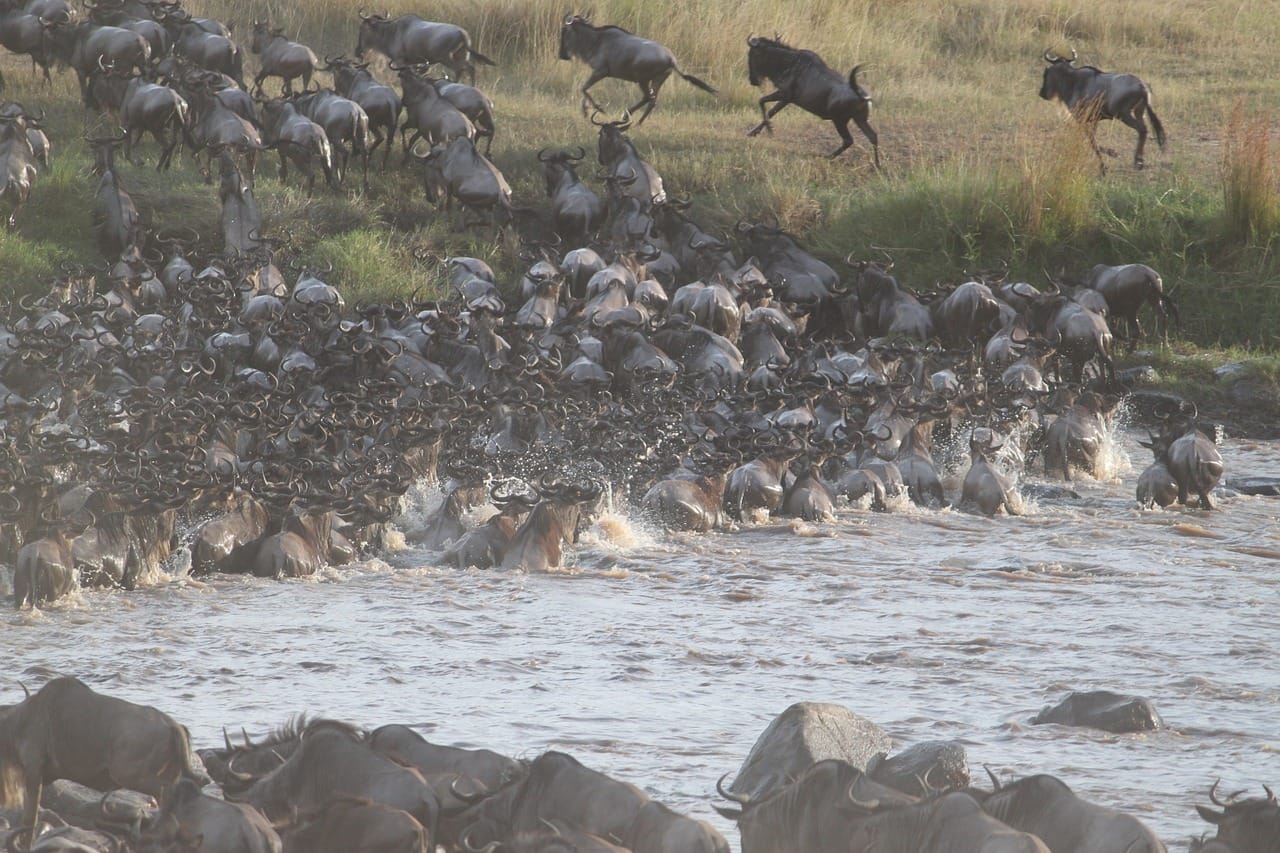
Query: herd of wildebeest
point(92, 768)
point(191, 396)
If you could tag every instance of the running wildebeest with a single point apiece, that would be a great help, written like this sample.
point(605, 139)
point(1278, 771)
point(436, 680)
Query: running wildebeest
point(805, 80)
point(614, 52)
point(1092, 95)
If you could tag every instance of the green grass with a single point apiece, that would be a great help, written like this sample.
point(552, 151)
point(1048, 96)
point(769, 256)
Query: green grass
point(977, 168)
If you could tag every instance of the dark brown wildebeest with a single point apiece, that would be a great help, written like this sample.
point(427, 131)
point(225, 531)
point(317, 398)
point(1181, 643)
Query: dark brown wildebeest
point(68, 731)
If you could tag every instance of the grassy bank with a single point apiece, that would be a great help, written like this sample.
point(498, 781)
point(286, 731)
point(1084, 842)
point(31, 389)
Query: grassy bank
point(977, 168)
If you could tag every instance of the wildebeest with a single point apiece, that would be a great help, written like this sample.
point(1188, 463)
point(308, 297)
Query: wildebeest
point(241, 220)
point(811, 814)
point(22, 32)
point(1044, 806)
point(45, 567)
point(86, 46)
point(346, 823)
point(1092, 95)
point(281, 58)
point(986, 487)
point(1191, 459)
point(622, 162)
point(17, 164)
point(409, 40)
point(613, 52)
point(296, 137)
point(345, 123)
point(155, 109)
point(1249, 826)
point(473, 104)
point(1127, 288)
point(380, 102)
point(559, 788)
point(947, 823)
point(68, 731)
point(458, 171)
point(576, 211)
point(210, 824)
point(805, 80)
point(116, 218)
point(333, 760)
point(429, 114)
point(555, 522)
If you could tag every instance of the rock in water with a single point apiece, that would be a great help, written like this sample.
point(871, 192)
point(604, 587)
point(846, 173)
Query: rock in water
point(806, 733)
point(1102, 709)
point(939, 764)
point(1264, 486)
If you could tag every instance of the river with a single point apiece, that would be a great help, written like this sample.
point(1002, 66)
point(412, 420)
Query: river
point(659, 658)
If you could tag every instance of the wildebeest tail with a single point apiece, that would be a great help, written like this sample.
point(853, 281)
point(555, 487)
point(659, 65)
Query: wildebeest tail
point(853, 83)
point(480, 57)
point(695, 81)
point(1167, 304)
point(1155, 124)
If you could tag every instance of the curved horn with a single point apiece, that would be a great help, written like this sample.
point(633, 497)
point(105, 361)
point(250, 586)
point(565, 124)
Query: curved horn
point(741, 799)
point(1213, 794)
point(870, 805)
point(995, 783)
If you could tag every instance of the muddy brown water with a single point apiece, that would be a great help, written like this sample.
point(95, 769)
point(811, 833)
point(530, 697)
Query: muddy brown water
point(659, 658)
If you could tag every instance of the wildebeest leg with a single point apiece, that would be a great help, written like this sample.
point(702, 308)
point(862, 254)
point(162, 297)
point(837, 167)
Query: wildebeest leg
point(765, 116)
point(649, 101)
point(284, 165)
point(1135, 332)
point(842, 128)
point(596, 77)
point(31, 809)
point(257, 82)
point(1135, 120)
point(870, 132)
point(1205, 502)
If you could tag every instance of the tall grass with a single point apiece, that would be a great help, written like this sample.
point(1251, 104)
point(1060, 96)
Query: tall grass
point(1250, 178)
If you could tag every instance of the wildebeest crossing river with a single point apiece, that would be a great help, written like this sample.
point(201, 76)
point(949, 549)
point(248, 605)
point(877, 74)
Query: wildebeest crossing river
point(659, 658)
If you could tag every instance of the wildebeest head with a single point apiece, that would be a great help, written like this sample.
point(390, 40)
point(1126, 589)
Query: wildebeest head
point(373, 33)
point(613, 143)
point(767, 56)
point(1252, 824)
point(570, 34)
point(1057, 82)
